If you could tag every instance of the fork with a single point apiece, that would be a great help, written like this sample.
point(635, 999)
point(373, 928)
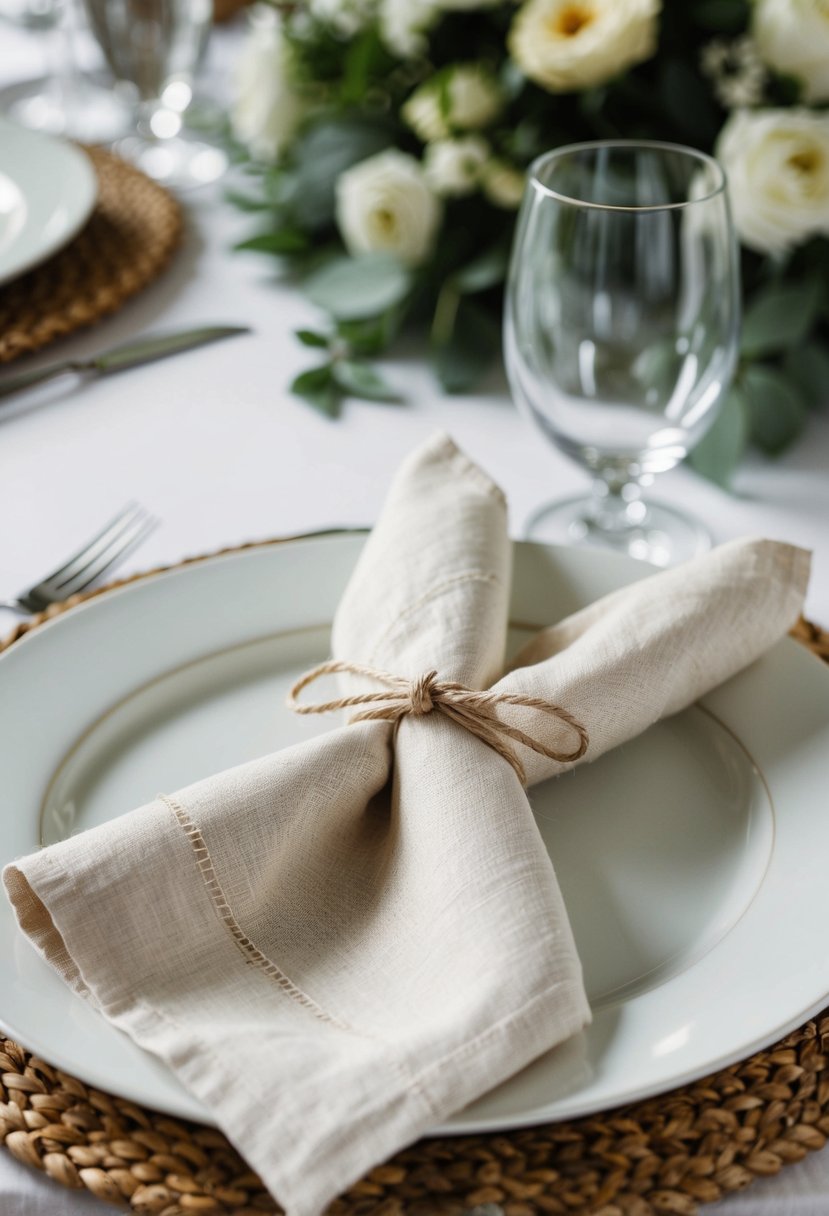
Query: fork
point(129, 528)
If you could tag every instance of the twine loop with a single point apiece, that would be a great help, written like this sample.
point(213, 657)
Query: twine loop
point(472, 709)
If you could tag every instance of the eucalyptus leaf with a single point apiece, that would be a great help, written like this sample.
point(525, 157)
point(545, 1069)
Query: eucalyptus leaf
point(353, 289)
point(284, 242)
point(310, 337)
point(467, 353)
point(372, 336)
point(330, 147)
point(776, 409)
point(318, 387)
point(487, 270)
point(718, 453)
point(360, 379)
point(779, 317)
point(808, 367)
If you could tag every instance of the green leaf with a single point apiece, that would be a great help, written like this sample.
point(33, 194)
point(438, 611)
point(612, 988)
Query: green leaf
point(246, 202)
point(469, 348)
point(718, 453)
point(776, 409)
point(329, 148)
point(353, 289)
point(808, 367)
point(360, 379)
point(310, 337)
point(722, 16)
point(487, 270)
point(318, 388)
point(285, 241)
point(779, 317)
point(373, 336)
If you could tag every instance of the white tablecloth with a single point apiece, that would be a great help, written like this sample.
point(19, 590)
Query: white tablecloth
point(213, 444)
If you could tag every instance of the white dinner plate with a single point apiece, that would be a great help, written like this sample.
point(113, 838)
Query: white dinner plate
point(47, 191)
point(693, 859)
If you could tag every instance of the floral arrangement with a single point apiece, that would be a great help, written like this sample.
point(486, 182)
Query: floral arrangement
point(388, 142)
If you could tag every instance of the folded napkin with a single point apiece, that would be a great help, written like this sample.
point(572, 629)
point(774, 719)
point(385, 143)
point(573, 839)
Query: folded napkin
point(338, 945)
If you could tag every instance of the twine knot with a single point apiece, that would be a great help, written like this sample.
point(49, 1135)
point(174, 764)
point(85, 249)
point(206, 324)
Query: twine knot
point(470, 708)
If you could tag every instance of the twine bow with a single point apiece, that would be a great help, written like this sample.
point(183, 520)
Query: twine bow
point(473, 710)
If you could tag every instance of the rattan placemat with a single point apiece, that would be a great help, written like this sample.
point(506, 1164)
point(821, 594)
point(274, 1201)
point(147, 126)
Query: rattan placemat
point(665, 1155)
point(133, 230)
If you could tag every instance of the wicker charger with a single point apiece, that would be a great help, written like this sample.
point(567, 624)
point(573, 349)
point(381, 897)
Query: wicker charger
point(665, 1155)
point(127, 242)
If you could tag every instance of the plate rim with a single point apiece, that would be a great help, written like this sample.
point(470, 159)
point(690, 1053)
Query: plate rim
point(68, 153)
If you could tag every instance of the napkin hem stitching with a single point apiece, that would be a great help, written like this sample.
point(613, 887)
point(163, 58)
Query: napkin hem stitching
point(250, 951)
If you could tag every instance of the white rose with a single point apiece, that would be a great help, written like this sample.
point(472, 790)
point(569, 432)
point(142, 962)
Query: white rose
point(453, 166)
point(404, 25)
point(267, 109)
point(777, 163)
point(793, 37)
point(567, 45)
point(384, 204)
point(464, 97)
point(503, 184)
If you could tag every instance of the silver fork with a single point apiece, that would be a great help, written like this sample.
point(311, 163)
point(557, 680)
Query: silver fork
point(116, 539)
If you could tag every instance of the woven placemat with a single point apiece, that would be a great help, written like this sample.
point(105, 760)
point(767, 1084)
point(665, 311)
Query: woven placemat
point(133, 230)
point(665, 1155)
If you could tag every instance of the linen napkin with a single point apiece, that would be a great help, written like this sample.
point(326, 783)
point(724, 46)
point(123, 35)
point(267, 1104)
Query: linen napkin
point(338, 945)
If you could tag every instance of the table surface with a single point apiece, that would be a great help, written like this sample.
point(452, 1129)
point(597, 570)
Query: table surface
point(213, 444)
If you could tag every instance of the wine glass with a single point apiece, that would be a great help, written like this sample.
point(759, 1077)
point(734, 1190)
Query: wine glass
point(621, 329)
point(154, 48)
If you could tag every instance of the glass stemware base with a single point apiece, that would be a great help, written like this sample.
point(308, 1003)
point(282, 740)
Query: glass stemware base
point(179, 162)
point(650, 531)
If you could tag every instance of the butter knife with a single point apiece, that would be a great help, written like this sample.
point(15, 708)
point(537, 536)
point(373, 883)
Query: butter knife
point(131, 354)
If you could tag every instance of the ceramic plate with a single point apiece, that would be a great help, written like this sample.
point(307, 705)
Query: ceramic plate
point(693, 860)
point(47, 191)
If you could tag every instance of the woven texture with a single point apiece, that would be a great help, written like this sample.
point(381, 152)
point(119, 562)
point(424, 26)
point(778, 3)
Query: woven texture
point(126, 244)
point(664, 1155)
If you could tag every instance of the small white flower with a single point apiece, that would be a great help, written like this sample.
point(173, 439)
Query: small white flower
point(404, 25)
point(267, 108)
point(453, 166)
point(793, 37)
point(568, 45)
point(344, 17)
point(736, 72)
point(464, 97)
point(384, 204)
point(503, 184)
point(777, 163)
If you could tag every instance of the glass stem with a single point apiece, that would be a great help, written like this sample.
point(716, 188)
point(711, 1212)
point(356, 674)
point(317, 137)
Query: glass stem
point(616, 505)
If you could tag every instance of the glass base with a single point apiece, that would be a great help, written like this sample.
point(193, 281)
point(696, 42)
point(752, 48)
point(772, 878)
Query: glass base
point(179, 162)
point(663, 536)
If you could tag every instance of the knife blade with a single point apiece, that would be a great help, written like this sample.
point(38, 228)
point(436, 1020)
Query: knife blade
point(119, 358)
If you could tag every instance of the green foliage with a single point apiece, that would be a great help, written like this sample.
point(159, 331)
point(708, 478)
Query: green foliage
point(355, 88)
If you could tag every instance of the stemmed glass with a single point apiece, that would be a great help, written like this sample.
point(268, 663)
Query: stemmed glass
point(621, 329)
point(154, 48)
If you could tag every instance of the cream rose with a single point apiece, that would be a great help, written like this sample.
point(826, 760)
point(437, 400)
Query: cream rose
point(567, 45)
point(384, 204)
point(464, 97)
point(267, 109)
point(503, 184)
point(453, 166)
point(792, 36)
point(777, 163)
point(404, 25)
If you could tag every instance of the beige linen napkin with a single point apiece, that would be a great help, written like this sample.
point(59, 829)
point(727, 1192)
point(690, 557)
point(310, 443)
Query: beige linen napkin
point(338, 945)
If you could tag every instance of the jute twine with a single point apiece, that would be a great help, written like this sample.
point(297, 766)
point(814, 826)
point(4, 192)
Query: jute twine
point(126, 244)
point(473, 709)
point(661, 1157)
